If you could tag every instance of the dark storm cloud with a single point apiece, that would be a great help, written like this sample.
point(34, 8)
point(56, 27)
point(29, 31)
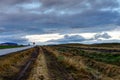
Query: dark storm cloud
point(104, 35)
point(2, 29)
point(12, 2)
point(79, 4)
point(78, 38)
point(86, 17)
point(13, 38)
point(28, 17)
point(17, 40)
point(69, 39)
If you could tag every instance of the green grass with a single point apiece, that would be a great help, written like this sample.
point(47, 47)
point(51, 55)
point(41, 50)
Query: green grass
point(103, 57)
point(5, 47)
point(98, 56)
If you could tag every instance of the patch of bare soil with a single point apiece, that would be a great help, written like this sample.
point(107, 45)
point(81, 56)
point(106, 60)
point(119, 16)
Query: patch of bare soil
point(56, 70)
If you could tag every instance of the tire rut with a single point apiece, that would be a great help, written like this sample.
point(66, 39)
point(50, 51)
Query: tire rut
point(56, 70)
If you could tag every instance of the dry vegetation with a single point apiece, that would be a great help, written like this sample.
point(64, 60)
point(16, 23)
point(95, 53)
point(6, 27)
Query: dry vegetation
point(63, 63)
point(77, 69)
point(12, 63)
point(105, 46)
point(92, 66)
point(39, 70)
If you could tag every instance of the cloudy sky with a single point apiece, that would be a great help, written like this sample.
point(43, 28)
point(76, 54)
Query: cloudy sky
point(59, 21)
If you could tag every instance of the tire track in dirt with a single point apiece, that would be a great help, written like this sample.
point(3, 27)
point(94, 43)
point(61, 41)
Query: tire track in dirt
point(23, 73)
point(39, 70)
point(56, 70)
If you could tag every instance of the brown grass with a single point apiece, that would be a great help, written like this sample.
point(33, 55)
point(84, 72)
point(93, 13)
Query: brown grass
point(76, 67)
point(87, 67)
point(12, 63)
point(39, 69)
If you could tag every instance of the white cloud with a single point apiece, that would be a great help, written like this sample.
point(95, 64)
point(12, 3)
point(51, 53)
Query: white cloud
point(95, 37)
point(115, 33)
point(44, 37)
point(88, 37)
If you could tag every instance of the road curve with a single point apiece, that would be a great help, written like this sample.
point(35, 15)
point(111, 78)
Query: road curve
point(11, 50)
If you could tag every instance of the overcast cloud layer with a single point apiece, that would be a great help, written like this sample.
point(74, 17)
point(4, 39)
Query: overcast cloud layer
point(59, 21)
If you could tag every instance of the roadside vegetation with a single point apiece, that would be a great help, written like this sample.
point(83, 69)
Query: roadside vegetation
point(11, 64)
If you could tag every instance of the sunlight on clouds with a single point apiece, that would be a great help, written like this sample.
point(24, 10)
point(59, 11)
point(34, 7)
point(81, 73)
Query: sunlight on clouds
point(44, 37)
point(85, 35)
point(89, 37)
point(115, 34)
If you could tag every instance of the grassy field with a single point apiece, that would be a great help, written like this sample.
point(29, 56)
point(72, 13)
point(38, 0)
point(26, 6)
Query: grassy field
point(107, 45)
point(99, 56)
point(97, 62)
point(5, 47)
point(12, 63)
point(65, 62)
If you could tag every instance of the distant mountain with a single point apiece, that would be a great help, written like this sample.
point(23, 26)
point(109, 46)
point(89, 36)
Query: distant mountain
point(9, 44)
